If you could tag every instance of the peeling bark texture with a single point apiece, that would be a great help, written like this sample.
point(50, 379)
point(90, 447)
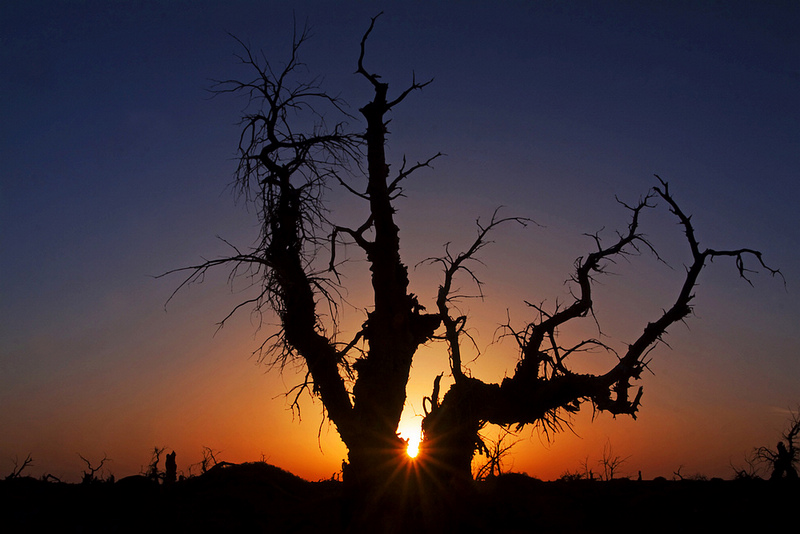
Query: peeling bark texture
point(284, 174)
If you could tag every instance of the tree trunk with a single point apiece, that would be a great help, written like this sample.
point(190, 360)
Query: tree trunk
point(450, 435)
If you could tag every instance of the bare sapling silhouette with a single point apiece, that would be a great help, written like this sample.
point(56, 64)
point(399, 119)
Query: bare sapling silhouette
point(209, 459)
point(90, 477)
point(611, 462)
point(496, 452)
point(152, 471)
point(16, 472)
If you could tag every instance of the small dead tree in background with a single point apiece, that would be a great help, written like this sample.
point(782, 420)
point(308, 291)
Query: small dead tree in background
point(89, 476)
point(587, 472)
point(209, 459)
point(18, 469)
point(152, 472)
point(750, 470)
point(609, 465)
point(783, 459)
point(610, 462)
point(496, 452)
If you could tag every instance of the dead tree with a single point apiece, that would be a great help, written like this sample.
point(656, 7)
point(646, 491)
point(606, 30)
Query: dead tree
point(610, 463)
point(783, 459)
point(209, 459)
point(284, 171)
point(18, 469)
point(89, 476)
point(152, 472)
point(496, 452)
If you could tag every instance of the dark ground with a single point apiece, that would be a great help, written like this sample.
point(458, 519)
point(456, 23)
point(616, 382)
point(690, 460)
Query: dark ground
point(262, 498)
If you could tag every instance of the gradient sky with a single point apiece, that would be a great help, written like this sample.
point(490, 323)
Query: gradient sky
point(115, 167)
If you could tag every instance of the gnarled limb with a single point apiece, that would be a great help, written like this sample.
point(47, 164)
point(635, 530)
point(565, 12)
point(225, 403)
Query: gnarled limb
point(284, 173)
point(542, 384)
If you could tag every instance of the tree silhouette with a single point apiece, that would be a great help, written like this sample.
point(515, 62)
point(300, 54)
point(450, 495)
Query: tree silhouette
point(89, 476)
point(783, 458)
point(290, 155)
point(18, 469)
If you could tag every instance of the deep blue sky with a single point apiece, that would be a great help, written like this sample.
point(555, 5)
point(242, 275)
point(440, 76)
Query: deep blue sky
point(115, 162)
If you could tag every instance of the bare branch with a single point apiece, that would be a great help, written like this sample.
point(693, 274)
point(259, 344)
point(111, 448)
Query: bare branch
point(373, 78)
point(404, 173)
point(18, 469)
point(454, 327)
point(89, 477)
point(380, 87)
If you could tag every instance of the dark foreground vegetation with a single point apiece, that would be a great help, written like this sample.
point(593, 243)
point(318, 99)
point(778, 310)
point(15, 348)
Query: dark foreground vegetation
point(258, 497)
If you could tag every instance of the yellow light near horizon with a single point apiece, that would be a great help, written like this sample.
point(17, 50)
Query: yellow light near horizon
point(413, 448)
point(411, 433)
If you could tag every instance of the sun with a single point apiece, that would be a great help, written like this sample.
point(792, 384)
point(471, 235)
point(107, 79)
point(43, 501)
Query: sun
point(413, 448)
point(411, 433)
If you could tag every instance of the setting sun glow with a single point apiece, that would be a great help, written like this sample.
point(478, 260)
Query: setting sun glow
point(413, 448)
point(411, 433)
